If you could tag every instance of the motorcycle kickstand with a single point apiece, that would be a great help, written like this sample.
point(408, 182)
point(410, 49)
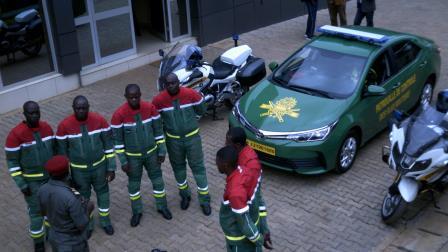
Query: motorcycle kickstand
point(215, 117)
point(434, 200)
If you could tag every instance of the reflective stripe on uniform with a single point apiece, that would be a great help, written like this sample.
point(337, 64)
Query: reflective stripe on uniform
point(183, 185)
point(16, 173)
point(13, 169)
point(134, 196)
point(239, 238)
point(103, 211)
point(159, 194)
point(203, 191)
point(139, 154)
point(194, 132)
point(109, 153)
point(85, 166)
point(37, 234)
point(36, 175)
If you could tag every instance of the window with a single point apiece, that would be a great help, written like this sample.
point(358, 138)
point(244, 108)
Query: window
point(24, 49)
point(379, 71)
point(404, 53)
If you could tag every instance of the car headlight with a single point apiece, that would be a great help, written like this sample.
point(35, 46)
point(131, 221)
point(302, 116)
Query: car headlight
point(319, 134)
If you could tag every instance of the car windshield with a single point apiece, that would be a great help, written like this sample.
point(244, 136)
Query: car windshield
point(321, 72)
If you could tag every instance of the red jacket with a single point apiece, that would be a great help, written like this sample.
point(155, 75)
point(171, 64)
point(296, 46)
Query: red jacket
point(248, 158)
point(240, 189)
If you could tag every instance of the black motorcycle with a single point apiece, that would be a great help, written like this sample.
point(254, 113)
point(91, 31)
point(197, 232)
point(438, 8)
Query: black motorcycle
point(26, 34)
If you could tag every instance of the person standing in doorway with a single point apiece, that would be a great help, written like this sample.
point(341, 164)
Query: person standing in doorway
point(335, 8)
point(365, 8)
point(311, 6)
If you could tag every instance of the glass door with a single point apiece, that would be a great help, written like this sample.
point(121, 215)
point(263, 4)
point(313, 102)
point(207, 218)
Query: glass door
point(178, 19)
point(105, 30)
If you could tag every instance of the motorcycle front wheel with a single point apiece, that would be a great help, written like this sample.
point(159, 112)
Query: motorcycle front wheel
point(32, 50)
point(393, 208)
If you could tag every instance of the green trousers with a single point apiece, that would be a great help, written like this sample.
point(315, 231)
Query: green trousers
point(37, 229)
point(242, 246)
point(94, 177)
point(135, 177)
point(181, 150)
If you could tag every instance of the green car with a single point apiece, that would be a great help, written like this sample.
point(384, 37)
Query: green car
point(331, 96)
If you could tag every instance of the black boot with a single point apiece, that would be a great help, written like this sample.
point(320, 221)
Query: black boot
point(165, 212)
point(135, 220)
point(185, 203)
point(39, 247)
point(206, 209)
point(109, 230)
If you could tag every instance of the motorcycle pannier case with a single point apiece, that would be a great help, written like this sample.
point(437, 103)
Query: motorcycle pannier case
point(252, 72)
point(26, 16)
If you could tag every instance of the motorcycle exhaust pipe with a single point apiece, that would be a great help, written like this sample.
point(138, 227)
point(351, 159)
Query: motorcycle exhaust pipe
point(209, 99)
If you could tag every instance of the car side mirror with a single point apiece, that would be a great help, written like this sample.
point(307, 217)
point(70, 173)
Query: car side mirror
point(273, 65)
point(161, 53)
point(374, 90)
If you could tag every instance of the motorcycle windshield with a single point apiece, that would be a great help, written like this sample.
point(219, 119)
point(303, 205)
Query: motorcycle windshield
point(174, 60)
point(423, 131)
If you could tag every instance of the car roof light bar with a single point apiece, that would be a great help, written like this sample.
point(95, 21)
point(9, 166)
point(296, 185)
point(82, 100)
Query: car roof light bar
point(354, 34)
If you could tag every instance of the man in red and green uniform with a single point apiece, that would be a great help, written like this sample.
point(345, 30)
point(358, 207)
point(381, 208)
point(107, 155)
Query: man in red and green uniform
point(85, 137)
point(248, 159)
point(239, 213)
point(179, 108)
point(139, 141)
point(28, 147)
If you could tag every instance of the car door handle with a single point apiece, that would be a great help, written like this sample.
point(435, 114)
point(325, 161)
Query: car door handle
point(423, 63)
point(396, 85)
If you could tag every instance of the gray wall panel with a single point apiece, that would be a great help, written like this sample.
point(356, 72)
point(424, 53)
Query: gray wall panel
point(208, 7)
point(216, 26)
point(245, 18)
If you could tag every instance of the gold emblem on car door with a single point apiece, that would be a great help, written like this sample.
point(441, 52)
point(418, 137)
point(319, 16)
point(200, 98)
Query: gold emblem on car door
point(281, 108)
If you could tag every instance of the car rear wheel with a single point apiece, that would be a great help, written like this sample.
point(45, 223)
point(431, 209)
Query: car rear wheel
point(347, 152)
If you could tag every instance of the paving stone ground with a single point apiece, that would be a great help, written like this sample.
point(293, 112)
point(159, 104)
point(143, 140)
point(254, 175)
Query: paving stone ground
point(306, 213)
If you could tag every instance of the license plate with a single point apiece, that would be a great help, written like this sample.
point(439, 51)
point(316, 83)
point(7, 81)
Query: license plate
point(261, 147)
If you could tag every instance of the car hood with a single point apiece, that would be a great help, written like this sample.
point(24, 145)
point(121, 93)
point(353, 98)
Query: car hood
point(270, 107)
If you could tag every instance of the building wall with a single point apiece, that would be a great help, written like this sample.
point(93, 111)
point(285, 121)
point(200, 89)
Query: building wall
point(216, 20)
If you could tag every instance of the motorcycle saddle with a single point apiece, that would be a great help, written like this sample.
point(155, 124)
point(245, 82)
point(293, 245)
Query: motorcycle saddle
point(222, 69)
point(26, 16)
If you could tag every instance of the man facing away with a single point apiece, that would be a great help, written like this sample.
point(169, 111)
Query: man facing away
point(179, 108)
point(239, 213)
point(67, 212)
point(28, 147)
point(85, 137)
point(248, 159)
point(139, 141)
point(335, 8)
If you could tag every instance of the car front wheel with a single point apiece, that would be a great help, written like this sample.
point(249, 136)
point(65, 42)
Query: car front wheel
point(347, 153)
point(426, 95)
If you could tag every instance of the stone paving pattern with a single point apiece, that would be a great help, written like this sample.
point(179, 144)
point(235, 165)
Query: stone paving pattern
point(306, 213)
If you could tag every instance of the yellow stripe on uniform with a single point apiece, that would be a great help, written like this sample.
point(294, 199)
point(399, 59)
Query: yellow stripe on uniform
point(160, 141)
point(110, 155)
point(135, 197)
point(16, 173)
point(151, 150)
point(192, 133)
point(235, 238)
point(36, 175)
point(172, 136)
point(263, 214)
point(85, 166)
point(119, 151)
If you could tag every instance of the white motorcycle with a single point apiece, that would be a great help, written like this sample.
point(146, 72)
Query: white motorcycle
point(221, 83)
point(419, 153)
